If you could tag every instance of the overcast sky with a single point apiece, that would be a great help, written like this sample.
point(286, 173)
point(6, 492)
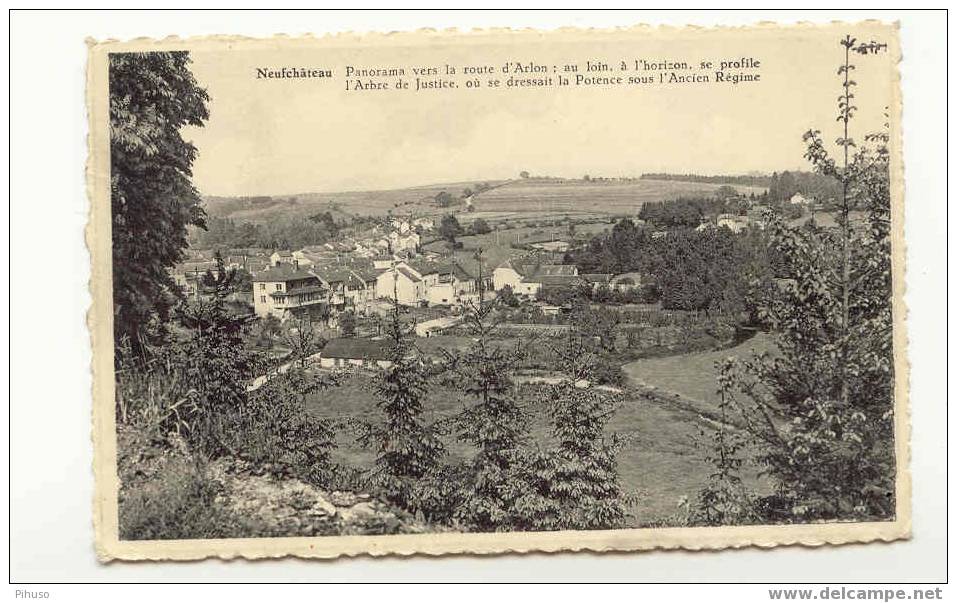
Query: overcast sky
point(273, 137)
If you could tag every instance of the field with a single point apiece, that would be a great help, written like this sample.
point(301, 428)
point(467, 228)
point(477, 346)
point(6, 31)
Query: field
point(612, 197)
point(659, 461)
point(693, 375)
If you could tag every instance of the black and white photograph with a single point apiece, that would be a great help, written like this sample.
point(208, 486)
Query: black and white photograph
point(486, 292)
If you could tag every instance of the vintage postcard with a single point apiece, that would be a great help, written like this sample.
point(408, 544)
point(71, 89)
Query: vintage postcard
point(498, 291)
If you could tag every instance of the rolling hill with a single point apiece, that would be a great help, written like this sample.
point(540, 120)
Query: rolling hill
point(503, 199)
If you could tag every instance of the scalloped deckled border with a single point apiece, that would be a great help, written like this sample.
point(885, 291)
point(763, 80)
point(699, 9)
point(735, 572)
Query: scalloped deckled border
point(98, 236)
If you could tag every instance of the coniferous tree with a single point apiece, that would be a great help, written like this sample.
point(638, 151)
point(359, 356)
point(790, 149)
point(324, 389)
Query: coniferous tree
point(495, 423)
point(575, 485)
point(407, 449)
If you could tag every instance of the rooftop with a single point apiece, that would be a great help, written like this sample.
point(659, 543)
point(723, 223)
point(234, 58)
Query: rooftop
point(408, 274)
point(282, 274)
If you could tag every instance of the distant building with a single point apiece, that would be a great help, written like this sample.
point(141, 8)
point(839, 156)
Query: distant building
point(450, 285)
point(436, 325)
point(596, 280)
point(285, 291)
point(188, 275)
point(559, 246)
point(347, 288)
point(401, 225)
point(362, 295)
point(529, 279)
point(512, 275)
point(281, 256)
point(403, 284)
point(549, 310)
point(626, 282)
point(404, 242)
point(555, 281)
point(348, 352)
point(382, 262)
point(424, 223)
point(734, 223)
point(188, 282)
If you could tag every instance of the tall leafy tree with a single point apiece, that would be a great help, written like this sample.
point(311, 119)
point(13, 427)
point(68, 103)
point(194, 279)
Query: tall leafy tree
point(449, 228)
point(152, 96)
point(822, 406)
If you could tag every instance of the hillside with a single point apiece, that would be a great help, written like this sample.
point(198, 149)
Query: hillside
point(420, 199)
point(502, 200)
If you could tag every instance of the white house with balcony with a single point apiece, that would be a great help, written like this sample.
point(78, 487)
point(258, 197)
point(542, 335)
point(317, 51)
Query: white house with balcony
point(285, 291)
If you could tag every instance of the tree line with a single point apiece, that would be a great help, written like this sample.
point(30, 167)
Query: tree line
point(277, 231)
point(714, 270)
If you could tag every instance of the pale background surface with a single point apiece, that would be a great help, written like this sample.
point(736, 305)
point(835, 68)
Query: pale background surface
point(51, 532)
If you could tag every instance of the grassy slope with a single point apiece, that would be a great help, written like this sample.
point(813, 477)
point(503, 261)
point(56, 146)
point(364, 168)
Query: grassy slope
point(693, 375)
point(659, 461)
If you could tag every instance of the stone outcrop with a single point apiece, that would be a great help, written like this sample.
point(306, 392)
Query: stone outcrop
point(286, 506)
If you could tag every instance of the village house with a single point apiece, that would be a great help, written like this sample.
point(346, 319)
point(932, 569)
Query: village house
point(349, 288)
point(626, 281)
point(336, 280)
point(596, 280)
point(404, 242)
point(355, 352)
point(188, 275)
point(382, 262)
point(554, 281)
point(400, 225)
point(425, 224)
point(528, 279)
point(362, 296)
point(799, 199)
point(555, 246)
point(732, 222)
point(403, 284)
point(281, 256)
point(512, 274)
point(450, 284)
point(285, 291)
point(188, 282)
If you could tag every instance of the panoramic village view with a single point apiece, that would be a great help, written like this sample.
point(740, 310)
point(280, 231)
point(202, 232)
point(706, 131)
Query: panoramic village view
point(542, 352)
